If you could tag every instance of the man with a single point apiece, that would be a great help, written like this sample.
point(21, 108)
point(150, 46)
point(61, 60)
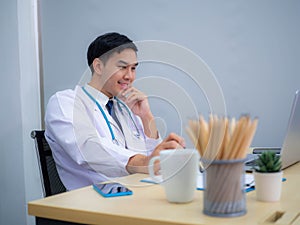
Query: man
point(105, 128)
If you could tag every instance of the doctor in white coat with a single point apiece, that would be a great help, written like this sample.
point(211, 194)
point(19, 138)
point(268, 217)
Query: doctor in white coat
point(92, 142)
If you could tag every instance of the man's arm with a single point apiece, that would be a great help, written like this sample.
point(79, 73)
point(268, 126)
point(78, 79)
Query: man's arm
point(139, 105)
point(139, 163)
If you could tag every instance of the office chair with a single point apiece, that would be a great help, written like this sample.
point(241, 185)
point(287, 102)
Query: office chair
point(51, 182)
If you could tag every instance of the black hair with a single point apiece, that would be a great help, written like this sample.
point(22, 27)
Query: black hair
point(107, 44)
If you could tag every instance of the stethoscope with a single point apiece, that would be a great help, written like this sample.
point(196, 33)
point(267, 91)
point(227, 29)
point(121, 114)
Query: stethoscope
point(113, 137)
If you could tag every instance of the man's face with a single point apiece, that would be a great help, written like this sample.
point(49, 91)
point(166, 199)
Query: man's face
point(118, 72)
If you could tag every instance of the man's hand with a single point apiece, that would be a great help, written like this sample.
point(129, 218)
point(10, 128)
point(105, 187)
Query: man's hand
point(139, 163)
point(173, 141)
point(137, 101)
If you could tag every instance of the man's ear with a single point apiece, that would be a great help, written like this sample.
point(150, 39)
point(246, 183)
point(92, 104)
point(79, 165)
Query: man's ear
point(98, 66)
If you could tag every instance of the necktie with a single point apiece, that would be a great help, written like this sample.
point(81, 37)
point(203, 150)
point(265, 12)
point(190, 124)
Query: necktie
point(110, 109)
point(109, 106)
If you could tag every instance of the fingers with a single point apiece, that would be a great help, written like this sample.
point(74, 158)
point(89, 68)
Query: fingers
point(157, 168)
point(126, 92)
point(164, 146)
point(176, 138)
point(135, 97)
point(170, 145)
point(173, 141)
point(132, 95)
point(129, 92)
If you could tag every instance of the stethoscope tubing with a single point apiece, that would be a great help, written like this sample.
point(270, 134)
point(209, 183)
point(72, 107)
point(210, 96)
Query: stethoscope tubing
point(135, 126)
point(113, 137)
point(103, 114)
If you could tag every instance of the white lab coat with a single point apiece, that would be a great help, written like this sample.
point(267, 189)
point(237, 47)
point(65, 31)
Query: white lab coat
point(81, 141)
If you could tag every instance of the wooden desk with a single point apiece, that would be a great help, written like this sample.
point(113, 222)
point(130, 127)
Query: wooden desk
point(148, 205)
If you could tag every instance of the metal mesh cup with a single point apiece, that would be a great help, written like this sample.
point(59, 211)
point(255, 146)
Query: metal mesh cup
point(224, 194)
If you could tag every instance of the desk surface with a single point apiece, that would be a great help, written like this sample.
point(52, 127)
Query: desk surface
point(148, 205)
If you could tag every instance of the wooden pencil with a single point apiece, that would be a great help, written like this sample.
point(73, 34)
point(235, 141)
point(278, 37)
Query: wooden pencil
point(223, 139)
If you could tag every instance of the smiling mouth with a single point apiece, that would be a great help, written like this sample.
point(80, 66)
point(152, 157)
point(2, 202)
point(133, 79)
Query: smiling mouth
point(123, 85)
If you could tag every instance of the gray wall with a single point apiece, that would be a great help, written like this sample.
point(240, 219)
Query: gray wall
point(12, 165)
point(252, 47)
point(20, 112)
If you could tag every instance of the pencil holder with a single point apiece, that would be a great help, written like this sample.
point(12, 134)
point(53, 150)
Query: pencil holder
point(224, 194)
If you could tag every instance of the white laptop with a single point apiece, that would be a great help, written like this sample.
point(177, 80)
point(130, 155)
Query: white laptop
point(290, 150)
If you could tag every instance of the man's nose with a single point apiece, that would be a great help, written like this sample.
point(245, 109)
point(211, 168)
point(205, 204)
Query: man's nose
point(129, 73)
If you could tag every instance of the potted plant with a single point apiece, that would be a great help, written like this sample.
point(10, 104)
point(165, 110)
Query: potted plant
point(268, 177)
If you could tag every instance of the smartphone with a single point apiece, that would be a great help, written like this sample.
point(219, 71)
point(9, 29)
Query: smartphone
point(112, 189)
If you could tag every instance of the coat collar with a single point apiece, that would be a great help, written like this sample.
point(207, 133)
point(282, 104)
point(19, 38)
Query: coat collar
point(98, 95)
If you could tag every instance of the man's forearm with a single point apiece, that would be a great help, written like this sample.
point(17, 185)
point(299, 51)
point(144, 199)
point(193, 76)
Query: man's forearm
point(150, 128)
point(138, 164)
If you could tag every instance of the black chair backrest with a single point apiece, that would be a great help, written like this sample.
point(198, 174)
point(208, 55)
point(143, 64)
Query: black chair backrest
point(50, 179)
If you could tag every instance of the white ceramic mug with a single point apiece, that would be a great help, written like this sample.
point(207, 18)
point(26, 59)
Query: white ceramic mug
point(179, 169)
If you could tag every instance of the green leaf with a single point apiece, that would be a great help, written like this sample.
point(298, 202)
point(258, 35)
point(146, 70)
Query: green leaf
point(270, 165)
point(268, 162)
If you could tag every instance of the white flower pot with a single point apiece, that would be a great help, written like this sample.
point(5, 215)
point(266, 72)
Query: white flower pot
point(268, 186)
